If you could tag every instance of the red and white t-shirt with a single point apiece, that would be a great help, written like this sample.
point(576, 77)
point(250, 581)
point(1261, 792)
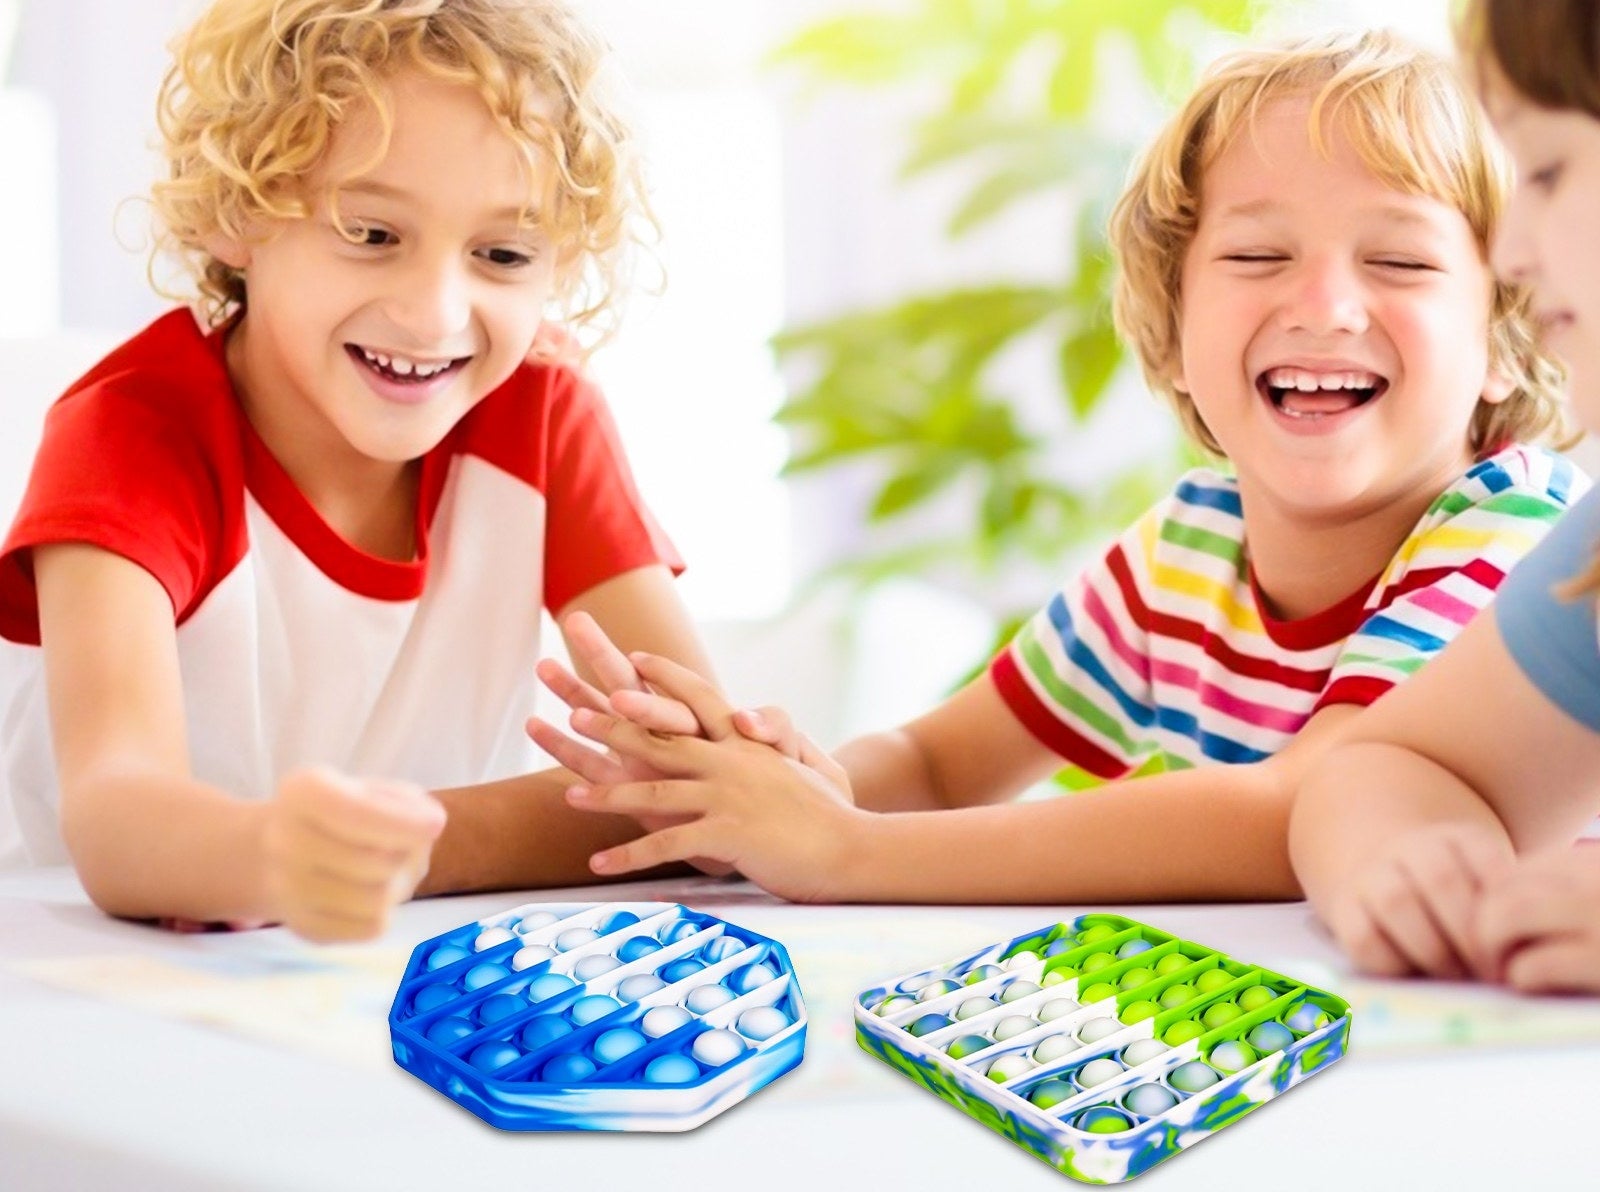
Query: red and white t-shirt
point(295, 647)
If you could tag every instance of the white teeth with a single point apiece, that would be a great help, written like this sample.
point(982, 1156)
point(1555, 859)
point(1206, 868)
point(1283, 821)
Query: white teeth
point(1307, 381)
point(402, 367)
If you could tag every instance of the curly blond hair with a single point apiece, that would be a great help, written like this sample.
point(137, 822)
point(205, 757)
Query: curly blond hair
point(258, 88)
point(1413, 125)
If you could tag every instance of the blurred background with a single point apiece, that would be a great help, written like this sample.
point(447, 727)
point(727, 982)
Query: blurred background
point(878, 404)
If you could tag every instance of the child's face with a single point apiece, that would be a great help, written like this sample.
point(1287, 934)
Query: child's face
point(380, 346)
point(1549, 237)
point(1334, 330)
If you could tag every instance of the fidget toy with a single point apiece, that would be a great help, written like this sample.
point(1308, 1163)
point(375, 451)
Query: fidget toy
point(598, 1016)
point(1102, 1045)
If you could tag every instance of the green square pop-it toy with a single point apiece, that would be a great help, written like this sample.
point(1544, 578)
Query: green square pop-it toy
point(598, 1016)
point(1102, 1045)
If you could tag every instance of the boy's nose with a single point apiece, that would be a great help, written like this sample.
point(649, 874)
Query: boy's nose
point(1326, 298)
point(432, 302)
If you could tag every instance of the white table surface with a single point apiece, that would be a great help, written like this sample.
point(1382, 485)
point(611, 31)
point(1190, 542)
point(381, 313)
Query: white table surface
point(124, 1064)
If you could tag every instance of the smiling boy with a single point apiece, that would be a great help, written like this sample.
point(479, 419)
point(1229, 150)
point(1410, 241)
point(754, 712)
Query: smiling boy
point(1303, 272)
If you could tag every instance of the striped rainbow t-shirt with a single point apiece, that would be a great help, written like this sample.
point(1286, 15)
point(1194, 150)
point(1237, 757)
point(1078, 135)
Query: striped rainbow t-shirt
point(1160, 656)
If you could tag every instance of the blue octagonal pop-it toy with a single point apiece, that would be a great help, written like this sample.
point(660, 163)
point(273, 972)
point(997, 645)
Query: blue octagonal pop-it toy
point(598, 1016)
point(1102, 1045)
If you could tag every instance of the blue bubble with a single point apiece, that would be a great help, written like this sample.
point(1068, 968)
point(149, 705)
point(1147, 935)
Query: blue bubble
point(547, 985)
point(613, 1045)
point(762, 1022)
point(616, 922)
point(927, 1024)
point(431, 997)
point(721, 948)
point(752, 976)
point(486, 1057)
point(1147, 1100)
point(1134, 947)
point(543, 1029)
point(480, 975)
point(1057, 947)
point(671, 1069)
point(449, 1030)
point(567, 1069)
point(705, 998)
point(446, 954)
point(636, 948)
point(591, 967)
point(663, 1020)
point(575, 937)
point(587, 1009)
point(679, 969)
point(641, 985)
point(678, 929)
point(500, 1005)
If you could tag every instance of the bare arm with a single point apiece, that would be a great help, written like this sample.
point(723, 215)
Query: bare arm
point(1215, 832)
point(969, 750)
point(520, 832)
point(325, 854)
point(1395, 832)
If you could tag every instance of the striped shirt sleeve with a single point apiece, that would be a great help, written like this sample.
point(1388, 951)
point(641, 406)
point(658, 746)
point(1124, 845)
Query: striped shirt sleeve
point(1448, 570)
point(1077, 675)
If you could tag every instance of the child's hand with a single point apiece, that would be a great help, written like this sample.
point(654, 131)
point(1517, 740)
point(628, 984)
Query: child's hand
point(341, 852)
point(1413, 908)
point(1539, 924)
point(631, 699)
point(786, 825)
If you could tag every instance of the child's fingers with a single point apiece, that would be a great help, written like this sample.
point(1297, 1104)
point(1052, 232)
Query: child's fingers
point(658, 848)
point(668, 755)
point(661, 798)
point(711, 709)
point(654, 712)
point(388, 819)
point(812, 754)
point(1446, 885)
point(1563, 964)
point(769, 726)
point(587, 641)
point(567, 687)
point(586, 763)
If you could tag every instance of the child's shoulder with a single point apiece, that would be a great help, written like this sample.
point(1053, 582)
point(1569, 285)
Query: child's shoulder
point(1522, 469)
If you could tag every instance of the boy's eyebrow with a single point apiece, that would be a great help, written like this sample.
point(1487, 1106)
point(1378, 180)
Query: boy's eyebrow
point(382, 190)
point(1258, 208)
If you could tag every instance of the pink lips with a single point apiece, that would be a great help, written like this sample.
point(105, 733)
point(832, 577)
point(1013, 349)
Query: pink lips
point(402, 390)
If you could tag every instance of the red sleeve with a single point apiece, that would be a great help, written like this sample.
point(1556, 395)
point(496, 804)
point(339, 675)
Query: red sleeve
point(597, 526)
point(124, 473)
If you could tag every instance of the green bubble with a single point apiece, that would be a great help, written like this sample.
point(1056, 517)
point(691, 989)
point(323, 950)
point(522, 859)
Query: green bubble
point(890, 1004)
point(966, 1045)
point(1171, 963)
point(1220, 1015)
point(1182, 1032)
point(1255, 997)
point(1096, 962)
point(1097, 992)
point(1102, 1119)
point(1176, 995)
point(1057, 976)
point(1136, 976)
point(1048, 1093)
point(1093, 935)
point(1139, 1011)
point(1212, 980)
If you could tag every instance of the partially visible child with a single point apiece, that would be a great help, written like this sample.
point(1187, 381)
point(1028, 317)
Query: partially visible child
point(279, 570)
point(1438, 840)
point(1303, 272)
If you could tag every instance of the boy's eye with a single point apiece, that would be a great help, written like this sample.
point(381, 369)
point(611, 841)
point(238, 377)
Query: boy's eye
point(369, 236)
point(506, 258)
point(1546, 178)
point(1404, 264)
point(1255, 258)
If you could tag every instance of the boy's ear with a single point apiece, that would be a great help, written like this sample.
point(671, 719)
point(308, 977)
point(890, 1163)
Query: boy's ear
point(1497, 387)
point(230, 250)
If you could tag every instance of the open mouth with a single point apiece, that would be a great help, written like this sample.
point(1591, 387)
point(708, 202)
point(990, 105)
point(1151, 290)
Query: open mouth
point(404, 370)
point(1303, 393)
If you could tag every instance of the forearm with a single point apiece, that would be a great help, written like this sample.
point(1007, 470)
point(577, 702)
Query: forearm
point(1215, 833)
point(889, 772)
point(519, 833)
point(1365, 795)
point(150, 846)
